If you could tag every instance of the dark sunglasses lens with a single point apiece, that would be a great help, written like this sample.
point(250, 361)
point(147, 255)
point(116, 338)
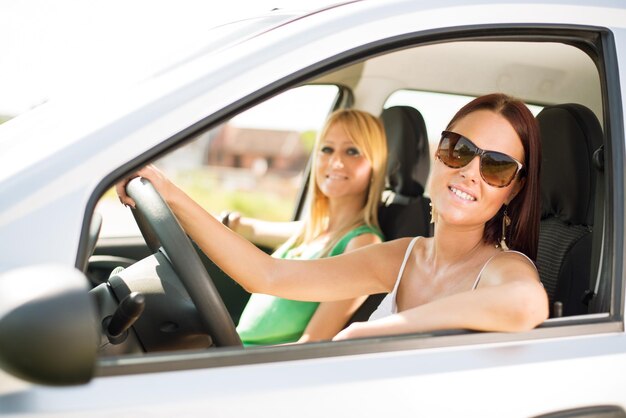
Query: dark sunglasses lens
point(497, 169)
point(455, 151)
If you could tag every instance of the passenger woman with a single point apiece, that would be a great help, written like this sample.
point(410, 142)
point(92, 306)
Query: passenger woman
point(345, 186)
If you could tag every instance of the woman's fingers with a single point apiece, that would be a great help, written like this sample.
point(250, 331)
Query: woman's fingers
point(149, 172)
point(354, 330)
point(160, 182)
point(120, 188)
point(346, 333)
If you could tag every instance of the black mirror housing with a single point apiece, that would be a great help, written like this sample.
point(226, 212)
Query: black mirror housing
point(48, 326)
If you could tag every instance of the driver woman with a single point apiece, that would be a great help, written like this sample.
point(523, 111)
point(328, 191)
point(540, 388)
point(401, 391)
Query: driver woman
point(485, 194)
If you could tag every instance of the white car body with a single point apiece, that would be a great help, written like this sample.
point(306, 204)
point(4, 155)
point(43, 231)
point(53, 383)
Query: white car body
point(55, 162)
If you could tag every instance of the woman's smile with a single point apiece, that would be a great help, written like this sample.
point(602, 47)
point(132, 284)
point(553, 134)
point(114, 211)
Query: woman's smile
point(461, 194)
point(336, 176)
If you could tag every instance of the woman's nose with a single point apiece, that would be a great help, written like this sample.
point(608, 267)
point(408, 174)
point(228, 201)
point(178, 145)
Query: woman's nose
point(336, 161)
point(472, 170)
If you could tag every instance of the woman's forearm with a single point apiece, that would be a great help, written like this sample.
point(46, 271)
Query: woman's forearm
point(234, 254)
point(265, 233)
point(257, 272)
point(510, 307)
point(330, 318)
point(310, 280)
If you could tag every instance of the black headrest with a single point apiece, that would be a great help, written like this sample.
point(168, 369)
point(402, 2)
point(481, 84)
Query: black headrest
point(570, 134)
point(409, 160)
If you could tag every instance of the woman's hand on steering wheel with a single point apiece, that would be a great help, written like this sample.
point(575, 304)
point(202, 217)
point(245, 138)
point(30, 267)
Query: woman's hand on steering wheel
point(160, 182)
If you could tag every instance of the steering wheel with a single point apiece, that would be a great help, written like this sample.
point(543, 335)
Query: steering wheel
point(185, 261)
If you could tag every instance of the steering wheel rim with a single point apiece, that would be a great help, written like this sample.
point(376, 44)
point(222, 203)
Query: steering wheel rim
point(185, 261)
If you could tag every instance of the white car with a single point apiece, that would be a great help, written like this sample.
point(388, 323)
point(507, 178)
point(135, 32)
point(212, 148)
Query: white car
point(233, 125)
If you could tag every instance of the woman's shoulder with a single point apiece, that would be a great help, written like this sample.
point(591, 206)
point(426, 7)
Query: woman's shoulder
point(355, 238)
point(363, 229)
point(403, 244)
point(514, 257)
point(418, 241)
point(362, 236)
point(509, 265)
point(363, 240)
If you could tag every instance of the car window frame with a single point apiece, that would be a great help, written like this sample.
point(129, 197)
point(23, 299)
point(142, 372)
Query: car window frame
point(597, 42)
point(614, 185)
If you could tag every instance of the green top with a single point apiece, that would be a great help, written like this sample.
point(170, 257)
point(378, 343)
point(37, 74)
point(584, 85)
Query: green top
point(272, 320)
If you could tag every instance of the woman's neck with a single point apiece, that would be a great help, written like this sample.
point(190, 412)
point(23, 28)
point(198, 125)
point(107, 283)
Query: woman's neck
point(342, 212)
point(452, 245)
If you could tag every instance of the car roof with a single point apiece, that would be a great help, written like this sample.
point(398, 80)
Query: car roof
point(473, 68)
point(58, 128)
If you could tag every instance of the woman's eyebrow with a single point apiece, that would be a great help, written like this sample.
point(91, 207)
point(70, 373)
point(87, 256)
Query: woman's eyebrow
point(348, 143)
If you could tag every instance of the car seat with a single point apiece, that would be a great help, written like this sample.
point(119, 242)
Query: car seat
point(405, 211)
point(570, 135)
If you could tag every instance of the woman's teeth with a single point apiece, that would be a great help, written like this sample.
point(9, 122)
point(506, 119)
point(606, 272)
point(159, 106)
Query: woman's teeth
point(336, 177)
point(462, 194)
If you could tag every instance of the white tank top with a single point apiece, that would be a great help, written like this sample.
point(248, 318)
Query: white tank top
point(388, 305)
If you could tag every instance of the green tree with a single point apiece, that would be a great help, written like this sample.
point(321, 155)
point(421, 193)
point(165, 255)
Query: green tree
point(308, 140)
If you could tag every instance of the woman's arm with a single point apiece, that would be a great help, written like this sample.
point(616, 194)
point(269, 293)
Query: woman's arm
point(263, 233)
point(510, 298)
point(331, 317)
point(366, 271)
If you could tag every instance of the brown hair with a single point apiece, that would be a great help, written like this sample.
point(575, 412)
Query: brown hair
point(524, 210)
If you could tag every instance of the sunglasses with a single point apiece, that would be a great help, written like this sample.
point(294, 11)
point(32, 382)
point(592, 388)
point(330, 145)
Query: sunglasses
point(496, 168)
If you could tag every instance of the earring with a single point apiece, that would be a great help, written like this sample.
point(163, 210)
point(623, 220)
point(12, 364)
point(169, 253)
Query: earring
point(433, 213)
point(506, 221)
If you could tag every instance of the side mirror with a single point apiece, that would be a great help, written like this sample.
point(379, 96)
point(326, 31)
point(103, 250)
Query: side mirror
point(48, 326)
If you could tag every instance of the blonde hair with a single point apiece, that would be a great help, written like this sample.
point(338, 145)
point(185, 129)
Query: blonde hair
point(367, 133)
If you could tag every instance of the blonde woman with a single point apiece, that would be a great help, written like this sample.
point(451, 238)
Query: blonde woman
point(345, 186)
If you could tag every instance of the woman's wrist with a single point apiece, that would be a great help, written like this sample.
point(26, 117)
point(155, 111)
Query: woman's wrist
point(170, 192)
point(231, 219)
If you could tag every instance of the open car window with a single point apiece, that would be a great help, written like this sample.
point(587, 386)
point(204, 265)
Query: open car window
point(255, 162)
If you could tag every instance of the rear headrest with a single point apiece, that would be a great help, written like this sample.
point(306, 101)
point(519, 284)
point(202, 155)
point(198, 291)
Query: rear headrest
point(570, 134)
point(409, 161)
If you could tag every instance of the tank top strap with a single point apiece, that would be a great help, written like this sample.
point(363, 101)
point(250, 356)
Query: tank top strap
point(480, 273)
point(341, 245)
point(388, 305)
point(523, 255)
point(406, 258)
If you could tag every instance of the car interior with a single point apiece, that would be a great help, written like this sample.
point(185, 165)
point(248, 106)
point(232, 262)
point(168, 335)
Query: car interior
point(561, 79)
point(570, 169)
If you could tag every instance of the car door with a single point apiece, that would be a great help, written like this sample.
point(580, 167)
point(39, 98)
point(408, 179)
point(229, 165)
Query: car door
point(570, 365)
